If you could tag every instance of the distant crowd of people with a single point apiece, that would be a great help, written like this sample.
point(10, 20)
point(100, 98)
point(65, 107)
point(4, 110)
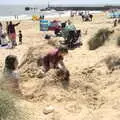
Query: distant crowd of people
point(11, 33)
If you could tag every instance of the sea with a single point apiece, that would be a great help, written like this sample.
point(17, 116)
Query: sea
point(18, 12)
point(13, 11)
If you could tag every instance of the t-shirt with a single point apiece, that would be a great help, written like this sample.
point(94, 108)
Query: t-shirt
point(9, 80)
point(10, 75)
point(52, 57)
point(11, 28)
point(65, 33)
point(70, 27)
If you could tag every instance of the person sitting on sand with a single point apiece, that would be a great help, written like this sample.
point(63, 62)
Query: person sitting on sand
point(70, 26)
point(64, 31)
point(12, 33)
point(66, 28)
point(54, 60)
point(10, 79)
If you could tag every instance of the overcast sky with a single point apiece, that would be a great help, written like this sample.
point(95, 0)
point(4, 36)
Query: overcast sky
point(59, 2)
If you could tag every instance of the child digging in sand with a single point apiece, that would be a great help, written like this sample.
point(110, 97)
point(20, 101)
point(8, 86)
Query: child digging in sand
point(54, 60)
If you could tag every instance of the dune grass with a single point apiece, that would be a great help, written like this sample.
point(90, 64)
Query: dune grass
point(99, 39)
point(118, 41)
point(8, 110)
point(112, 62)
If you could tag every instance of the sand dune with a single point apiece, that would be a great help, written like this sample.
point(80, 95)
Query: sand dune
point(93, 90)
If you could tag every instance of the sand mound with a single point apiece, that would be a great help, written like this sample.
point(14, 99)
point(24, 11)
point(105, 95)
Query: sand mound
point(55, 41)
point(99, 38)
point(84, 86)
point(113, 62)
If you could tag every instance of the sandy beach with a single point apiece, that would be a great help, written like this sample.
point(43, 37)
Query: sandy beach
point(93, 92)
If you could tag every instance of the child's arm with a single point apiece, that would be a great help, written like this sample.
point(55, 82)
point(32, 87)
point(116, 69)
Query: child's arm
point(17, 24)
point(61, 65)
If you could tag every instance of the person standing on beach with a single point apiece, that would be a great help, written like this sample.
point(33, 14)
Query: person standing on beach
point(115, 22)
point(0, 30)
point(20, 37)
point(12, 33)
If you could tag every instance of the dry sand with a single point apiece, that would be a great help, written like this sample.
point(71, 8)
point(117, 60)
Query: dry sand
point(93, 90)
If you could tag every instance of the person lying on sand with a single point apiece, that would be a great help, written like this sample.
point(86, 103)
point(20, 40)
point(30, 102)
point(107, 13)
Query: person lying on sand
point(10, 78)
point(54, 60)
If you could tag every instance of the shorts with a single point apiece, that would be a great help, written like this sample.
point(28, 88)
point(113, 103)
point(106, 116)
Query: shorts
point(12, 36)
point(43, 61)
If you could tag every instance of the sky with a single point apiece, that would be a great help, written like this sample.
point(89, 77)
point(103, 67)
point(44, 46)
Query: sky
point(7, 2)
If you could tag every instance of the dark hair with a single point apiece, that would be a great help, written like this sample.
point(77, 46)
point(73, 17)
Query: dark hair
point(10, 61)
point(63, 49)
point(0, 24)
point(19, 30)
point(10, 22)
point(63, 25)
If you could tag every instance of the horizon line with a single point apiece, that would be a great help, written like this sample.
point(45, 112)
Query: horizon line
point(80, 5)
